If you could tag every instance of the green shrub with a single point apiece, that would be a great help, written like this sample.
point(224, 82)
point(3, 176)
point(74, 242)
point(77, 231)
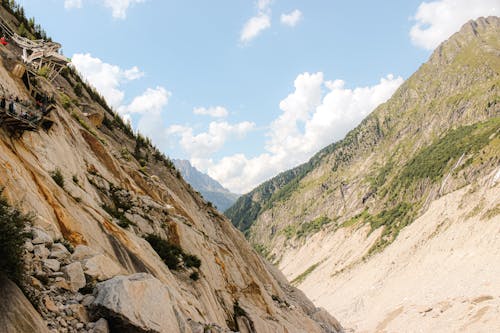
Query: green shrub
point(12, 238)
point(44, 71)
point(191, 260)
point(65, 101)
point(58, 177)
point(78, 89)
point(313, 226)
point(195, 276)
point(171, 254)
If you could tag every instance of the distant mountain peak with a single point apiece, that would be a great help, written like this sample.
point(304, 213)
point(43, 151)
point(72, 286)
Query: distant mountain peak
point(211, 189)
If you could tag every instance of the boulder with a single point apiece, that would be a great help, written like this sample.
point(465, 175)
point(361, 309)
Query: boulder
point(52, 264)
point(41, 251)
point(29, 246)
point(59, 251)
point(41, 237)
point(101, 268)
point(101, 326)
point(82, 252)
point(138, 303)
point(74, 275)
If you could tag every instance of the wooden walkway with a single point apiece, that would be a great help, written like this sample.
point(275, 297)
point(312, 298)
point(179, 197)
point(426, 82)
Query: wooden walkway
point(16, 123)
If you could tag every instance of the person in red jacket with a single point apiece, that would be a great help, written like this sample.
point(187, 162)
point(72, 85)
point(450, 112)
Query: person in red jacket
point(3, 41)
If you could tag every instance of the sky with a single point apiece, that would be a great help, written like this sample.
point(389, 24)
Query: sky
point(247, 89)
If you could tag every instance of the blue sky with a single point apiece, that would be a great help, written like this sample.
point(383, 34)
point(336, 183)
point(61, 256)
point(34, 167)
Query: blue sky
point(246, 89)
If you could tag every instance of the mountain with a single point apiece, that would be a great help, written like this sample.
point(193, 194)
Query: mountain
point(101, 231)
point(209, 188)
point(394, 228)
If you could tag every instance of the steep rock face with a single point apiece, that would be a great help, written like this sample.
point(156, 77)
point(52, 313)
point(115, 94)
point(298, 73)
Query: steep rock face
point(17, 315)
point(334, 218)
point(115, 190)
point(207, 186)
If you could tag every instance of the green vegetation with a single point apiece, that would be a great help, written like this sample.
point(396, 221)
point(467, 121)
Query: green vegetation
point(123, 221)
point(44, 71)
point(12, 238)
point(313, 226)
point(431, 162)
point(78, 89)
point(192, 261)
point(65, 101)
point(195, 276)
point(171, 254)
point(299, 279)
point(363, 216)
point(262, 250)
point(247, 208)
point(75, 179)
point(58, 177)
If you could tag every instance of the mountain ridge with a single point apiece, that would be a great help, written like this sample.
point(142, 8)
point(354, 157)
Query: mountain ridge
point(437, 134)
point(209, 188)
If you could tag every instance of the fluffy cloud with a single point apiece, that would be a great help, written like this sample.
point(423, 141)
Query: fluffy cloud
point(216, 112)
point(105, 77)
point(254, 26)
point(292, 18)
point(317, 113)
point(118, 7)
point(204, 144)
point(438, 20)
point(152, 100)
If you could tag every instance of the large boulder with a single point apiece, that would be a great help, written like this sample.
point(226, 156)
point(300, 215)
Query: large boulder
point(17, 315)
point(82, 252)
point(101, 267)
point(137, 303)
point(74, 274)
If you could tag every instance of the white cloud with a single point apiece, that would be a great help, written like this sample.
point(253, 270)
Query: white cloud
point(151, 101)
point(254, 26)
point(118, 7)
point(438, 20)
point(292, 18)
point(68, 4)
point(204, 144)
point(105, 77)
point(263, 4)
point(315, 114)
point(216, 112)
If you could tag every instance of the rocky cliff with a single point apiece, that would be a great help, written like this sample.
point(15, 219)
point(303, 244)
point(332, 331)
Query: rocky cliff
point(209, 188)
point(119, 240)
point(404, 206)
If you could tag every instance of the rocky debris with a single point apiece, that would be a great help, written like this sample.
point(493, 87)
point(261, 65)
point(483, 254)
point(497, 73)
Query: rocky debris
point(41, 251)
point(74, 273)
point(41, 237)
point(59, 251)
point(139, 302)
point(101, 267)
point(52, 264)
point(54, 281)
